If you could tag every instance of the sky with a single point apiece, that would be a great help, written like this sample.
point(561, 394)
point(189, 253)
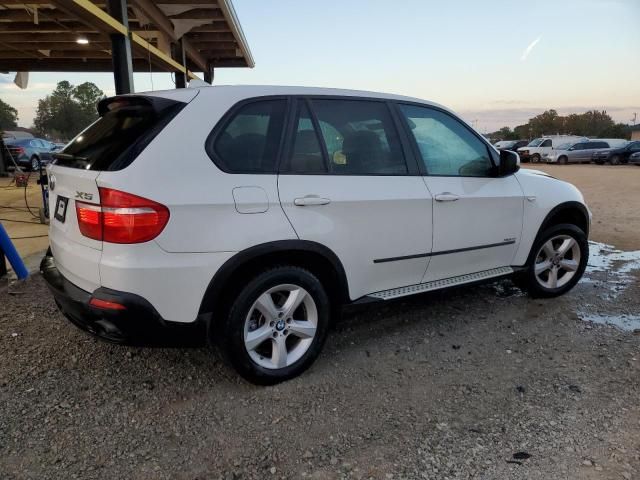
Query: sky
point(495, 62)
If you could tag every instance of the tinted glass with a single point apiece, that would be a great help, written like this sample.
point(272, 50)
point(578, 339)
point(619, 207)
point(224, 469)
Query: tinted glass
point(447, 147)
point(635, 146)
point(306, 156)
point(360, 138)
point(546, 143)
point(116, 139)
point(250, 140)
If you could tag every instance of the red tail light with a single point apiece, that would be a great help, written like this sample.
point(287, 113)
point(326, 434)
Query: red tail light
point(121, 218)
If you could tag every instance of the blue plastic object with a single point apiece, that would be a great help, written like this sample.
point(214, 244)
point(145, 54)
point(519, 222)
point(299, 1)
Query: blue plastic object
point(12, 254)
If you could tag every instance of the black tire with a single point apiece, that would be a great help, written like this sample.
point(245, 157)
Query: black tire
point(34, 164)
point(228, 335)
point(615, 160)
point(528, 278)
point(563, 160)
point(599, 162)
point(535, 158)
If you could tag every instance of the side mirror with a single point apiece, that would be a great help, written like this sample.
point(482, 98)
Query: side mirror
point(509, 163)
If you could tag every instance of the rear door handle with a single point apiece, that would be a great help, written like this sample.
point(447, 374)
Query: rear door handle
point(446, 197)
point(310, 200)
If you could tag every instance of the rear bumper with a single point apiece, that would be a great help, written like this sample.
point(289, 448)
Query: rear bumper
point(136, 321)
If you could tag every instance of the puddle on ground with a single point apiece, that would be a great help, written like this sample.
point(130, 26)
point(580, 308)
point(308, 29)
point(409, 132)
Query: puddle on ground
point(614, 271)
point(611, 268)
point(623, 322)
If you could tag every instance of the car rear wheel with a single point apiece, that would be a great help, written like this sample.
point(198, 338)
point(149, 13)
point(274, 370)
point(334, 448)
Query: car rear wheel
point(615, 160)
point(558, 260)
point(35, 163)
point(563, 160)
point(276, 327)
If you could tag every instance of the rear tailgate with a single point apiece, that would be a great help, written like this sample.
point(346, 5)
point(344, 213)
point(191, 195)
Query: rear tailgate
point(76, 256)
point(127, 124)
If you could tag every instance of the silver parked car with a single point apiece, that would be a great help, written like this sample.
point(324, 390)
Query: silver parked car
point(634, 159)
point(579, 152)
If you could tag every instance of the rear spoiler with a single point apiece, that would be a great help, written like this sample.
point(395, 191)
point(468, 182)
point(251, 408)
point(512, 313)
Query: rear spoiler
point(158, 104)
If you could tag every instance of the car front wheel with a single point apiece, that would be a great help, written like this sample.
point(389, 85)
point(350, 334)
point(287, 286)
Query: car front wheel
point(276, 327)
point(559, 258)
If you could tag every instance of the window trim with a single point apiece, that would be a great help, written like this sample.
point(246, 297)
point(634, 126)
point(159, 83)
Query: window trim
point(493, 156)
point(410, 161)
point(229, 115)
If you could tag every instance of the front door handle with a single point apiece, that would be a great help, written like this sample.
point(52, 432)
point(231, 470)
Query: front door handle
point(309, 200)
point(446, 197)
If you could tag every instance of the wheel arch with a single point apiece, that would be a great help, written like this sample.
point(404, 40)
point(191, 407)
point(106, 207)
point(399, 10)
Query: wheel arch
point(313, 256)
point(574, 213)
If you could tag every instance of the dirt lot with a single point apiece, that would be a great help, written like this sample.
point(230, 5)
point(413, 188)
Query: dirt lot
point(447, 385)
point(613, 195)
point(23, 225)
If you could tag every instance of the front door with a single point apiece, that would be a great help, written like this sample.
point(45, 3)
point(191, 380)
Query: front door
point(346, 184)
point(477, 217)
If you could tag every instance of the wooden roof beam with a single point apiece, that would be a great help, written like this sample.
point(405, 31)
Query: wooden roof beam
point(161, 21)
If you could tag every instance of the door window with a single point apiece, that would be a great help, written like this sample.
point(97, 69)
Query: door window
point(250, 141)
point(306, 156)
point(360, 137)
point(447, 147)
point(546, 143)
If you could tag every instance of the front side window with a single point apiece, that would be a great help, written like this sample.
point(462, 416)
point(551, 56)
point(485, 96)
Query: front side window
point(249, 142)
point(360, 137)
point(634, 147)
point(446, 146)
point(546, 143)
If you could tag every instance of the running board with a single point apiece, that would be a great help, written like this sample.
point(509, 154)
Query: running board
point(438, 284)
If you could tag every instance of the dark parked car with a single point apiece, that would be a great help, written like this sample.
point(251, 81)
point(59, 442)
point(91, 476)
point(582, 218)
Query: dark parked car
point(616, 156)
point(28, 152)
point(512, 145)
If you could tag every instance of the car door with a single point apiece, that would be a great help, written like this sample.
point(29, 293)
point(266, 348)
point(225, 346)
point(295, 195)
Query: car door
point(477, 217)
point(347, 182)
point(575, 153)
point(632, 148)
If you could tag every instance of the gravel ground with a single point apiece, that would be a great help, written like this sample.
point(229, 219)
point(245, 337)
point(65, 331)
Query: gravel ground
point(478, 382)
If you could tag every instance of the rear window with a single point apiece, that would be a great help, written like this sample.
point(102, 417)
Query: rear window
point(125, 127)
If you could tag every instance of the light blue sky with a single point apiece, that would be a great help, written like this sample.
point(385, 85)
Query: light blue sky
point(469, 55)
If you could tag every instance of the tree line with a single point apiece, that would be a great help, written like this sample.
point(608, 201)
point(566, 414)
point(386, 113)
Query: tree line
point(594, 123)
point(61, 114)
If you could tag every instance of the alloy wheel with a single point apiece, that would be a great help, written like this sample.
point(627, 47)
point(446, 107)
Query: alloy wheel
point(280, 326)
point(557, 261)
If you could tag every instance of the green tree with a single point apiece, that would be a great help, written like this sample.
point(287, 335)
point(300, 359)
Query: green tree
point(547, 123)
point(8, 116)
point(67, 110)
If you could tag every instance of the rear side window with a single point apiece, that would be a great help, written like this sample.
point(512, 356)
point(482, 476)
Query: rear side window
point(306, 156)
point(249, 140)
point(126, 126)
point(360, 137)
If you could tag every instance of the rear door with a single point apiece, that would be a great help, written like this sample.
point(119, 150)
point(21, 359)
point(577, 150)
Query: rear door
point(477, 217)
point(347, 182)
point(126, 125)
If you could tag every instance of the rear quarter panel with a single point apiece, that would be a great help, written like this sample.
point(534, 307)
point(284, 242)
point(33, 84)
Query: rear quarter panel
point(176, 171)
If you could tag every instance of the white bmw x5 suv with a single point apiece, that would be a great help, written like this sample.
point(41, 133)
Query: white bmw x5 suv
point(259, 211)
